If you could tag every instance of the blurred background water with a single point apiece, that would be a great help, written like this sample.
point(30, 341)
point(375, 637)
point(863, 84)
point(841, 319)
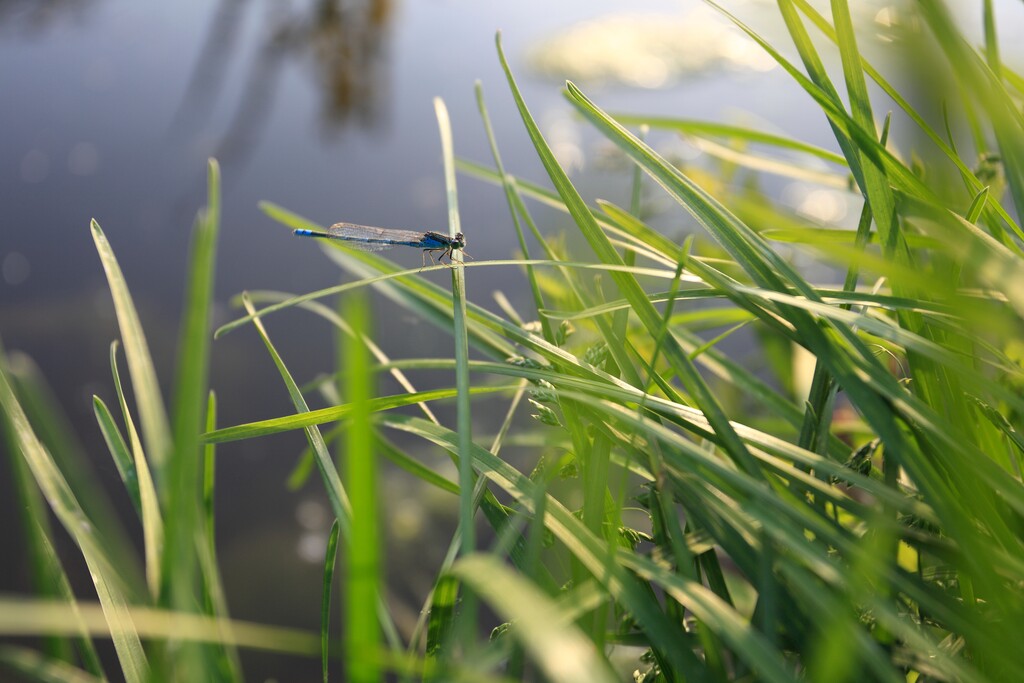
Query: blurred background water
point(110, 108)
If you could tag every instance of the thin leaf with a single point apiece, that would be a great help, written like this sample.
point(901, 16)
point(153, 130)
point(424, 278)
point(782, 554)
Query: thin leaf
point(149, 503)
point(28, 617)
point(184, 492)
point(330, 558)
point(156, 432)
point(362, 557)
point(225, 660)
point(332, 414)
point(119, 450)
point(723, 130)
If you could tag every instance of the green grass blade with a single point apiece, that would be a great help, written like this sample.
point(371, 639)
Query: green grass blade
point(210, 479)
point(156, 432)
point(986, 88)
point(768, 269)
point(330, 559)
point(843, 125)
point(773, 165)
point(711, 129)
point(464, 420)
point(436, 611)
point(443, 600)
point(363, 556)
point(118, 450)
point(977, 205)
point(877, 191)
point(224, 659)
point(303, 420)
point(184, 493)
point(149, 503)
point(463, 416)
point(764, 266)
point(27, 617)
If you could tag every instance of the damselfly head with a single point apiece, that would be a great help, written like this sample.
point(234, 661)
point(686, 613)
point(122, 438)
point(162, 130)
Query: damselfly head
point(459, 241)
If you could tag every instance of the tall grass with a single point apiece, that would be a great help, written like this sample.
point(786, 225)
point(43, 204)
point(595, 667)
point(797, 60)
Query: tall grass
point(866, 525)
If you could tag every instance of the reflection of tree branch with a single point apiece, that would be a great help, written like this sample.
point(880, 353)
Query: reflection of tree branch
point(253, 109)
point(347, 45)
point(346, 38)
point(235, 147)
point(208, 72)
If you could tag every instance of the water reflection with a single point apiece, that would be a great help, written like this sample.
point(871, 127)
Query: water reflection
point(40, 15)
point(346, 40)
point(648, 50)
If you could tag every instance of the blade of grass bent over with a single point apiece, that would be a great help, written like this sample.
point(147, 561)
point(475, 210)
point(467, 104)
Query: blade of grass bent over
point(629, 287)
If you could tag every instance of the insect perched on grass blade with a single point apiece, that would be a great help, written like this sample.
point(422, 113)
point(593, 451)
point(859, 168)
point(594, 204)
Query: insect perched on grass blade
point(366, 238)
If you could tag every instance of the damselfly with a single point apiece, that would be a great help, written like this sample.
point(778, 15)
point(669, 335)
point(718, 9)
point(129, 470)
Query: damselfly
point(366, 238)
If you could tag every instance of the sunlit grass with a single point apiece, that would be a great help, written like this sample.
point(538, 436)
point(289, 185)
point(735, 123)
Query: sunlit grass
point(683, 515)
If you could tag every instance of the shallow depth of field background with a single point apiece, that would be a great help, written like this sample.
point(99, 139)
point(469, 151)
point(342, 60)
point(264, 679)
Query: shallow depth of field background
point(109, 109)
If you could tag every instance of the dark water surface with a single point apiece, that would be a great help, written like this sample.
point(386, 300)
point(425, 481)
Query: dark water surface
point(109, 109)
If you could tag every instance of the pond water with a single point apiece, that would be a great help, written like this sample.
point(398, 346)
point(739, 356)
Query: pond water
point(110, 109)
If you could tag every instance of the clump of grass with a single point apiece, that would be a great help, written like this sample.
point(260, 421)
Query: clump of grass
point(866, 527)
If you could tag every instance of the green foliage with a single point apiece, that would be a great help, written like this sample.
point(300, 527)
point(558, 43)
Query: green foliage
point(682, 515)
